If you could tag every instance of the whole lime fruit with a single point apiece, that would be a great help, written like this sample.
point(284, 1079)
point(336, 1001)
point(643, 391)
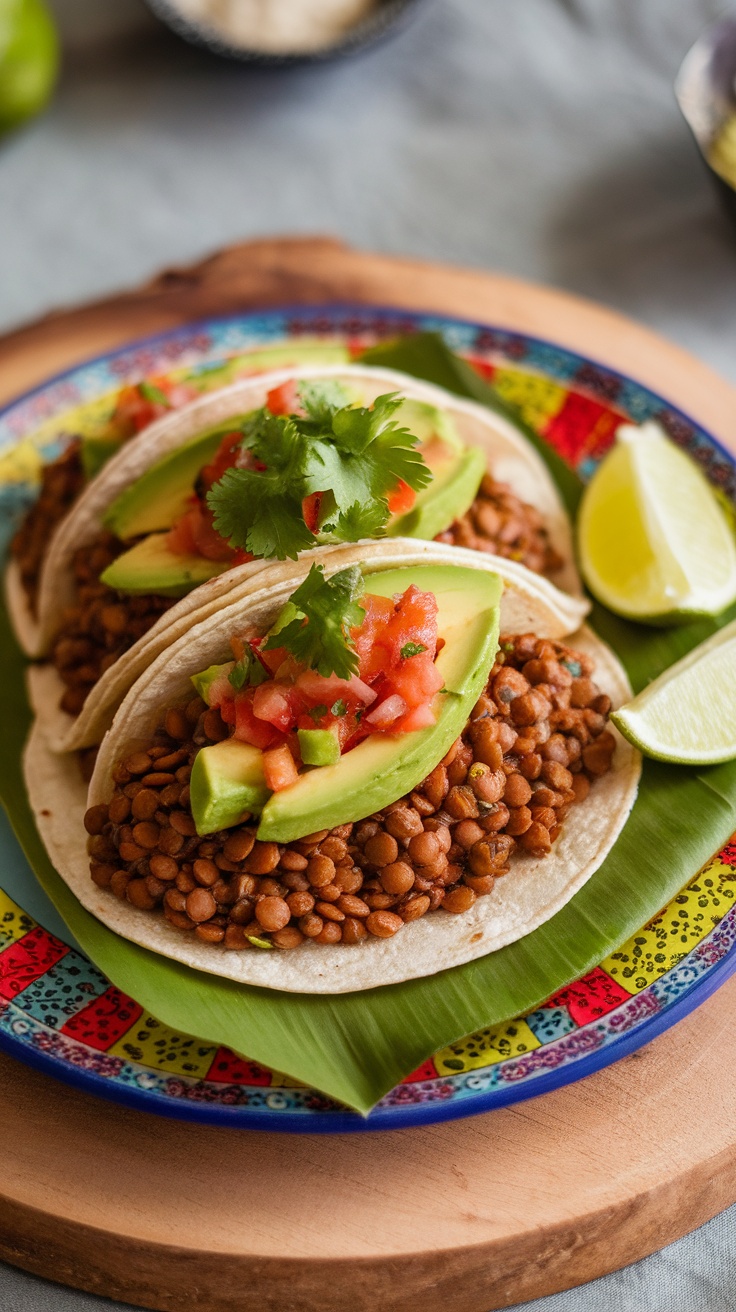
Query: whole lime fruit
point(29, 60)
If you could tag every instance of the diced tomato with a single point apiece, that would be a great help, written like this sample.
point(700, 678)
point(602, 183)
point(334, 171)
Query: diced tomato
point(414, 621)
point(279, 768)
point(195, 534)
point(278, 703)
point(225, 457)
point(271, 659)
point(310, 510)
point(227, 711)
point(417, 679)
point(248, 729)
point(387, 712)
point(319, 689)
point(181, 538)
point(221, 690)
point(284, 400)
point(134, 410)
point(402, 498)
point(418, 718)
point(378, 613)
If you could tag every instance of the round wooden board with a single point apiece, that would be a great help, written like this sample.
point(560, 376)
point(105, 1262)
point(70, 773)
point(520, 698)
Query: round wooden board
point(461, 1217)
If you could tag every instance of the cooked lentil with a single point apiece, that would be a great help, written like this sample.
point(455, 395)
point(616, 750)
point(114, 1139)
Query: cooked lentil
point(62, 481)
point(441, 847)
point(501, 523)
point(101, 625)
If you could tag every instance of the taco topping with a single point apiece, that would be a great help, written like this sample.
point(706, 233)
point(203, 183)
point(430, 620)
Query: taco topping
point(335, 671)
point(534, 744)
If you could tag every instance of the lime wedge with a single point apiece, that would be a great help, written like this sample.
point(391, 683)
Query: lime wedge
point(654, 542)
point(29, 60)
point(688, 714)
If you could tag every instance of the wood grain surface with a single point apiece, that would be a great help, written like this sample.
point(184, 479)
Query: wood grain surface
point(463, 1217)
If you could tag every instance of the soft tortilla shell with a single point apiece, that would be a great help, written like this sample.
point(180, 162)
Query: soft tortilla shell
point(562, 615)
point(511, 458)
point(532, 893)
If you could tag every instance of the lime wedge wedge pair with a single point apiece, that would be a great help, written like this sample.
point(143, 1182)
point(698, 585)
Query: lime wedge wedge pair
point(688, 714)
point(655, 544)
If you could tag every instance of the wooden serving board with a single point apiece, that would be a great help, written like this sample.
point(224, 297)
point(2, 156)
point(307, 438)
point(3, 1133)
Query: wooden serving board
point(461, 1217)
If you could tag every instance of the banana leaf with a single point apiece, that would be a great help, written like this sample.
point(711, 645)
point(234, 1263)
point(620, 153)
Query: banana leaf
point(355, 1047)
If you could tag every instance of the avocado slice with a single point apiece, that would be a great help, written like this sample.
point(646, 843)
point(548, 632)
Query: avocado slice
point(427, 422)
point(452, 491)
point(160, 496)
point(150, 567)
point(383, 768)
point(226, 782)
point(456, 473)
point(205, 679)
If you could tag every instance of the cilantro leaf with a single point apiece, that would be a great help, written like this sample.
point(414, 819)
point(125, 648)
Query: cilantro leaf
point(412, 649)
point(353, 456)
point(339, 707)
point(321, 398)
point(256, 511)
point(248, 670)
point(320, 635)
point(386, 450)
point(361, 521)
point(150, 392)
point(316, 712)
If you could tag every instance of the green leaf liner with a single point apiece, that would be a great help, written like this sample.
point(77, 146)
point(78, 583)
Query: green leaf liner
point(355, 1047)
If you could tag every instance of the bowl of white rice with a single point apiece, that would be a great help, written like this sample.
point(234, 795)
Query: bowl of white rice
point(284, 31)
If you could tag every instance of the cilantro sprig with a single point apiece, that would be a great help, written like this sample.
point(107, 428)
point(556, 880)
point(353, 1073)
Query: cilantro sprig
point(319, 635)
point(351, 455)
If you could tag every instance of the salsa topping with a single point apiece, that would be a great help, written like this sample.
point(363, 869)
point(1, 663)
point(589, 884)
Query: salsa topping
point(534, 744)
point(336, 660)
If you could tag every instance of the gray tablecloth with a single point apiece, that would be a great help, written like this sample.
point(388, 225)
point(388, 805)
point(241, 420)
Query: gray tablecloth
point(540, 138)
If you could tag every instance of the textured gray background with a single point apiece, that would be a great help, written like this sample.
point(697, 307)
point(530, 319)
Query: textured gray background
point(540, 138)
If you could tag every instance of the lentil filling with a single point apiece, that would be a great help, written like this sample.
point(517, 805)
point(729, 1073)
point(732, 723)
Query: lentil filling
point(535, 742)
point(101, 625)
point(501, 523)
point(62, 481)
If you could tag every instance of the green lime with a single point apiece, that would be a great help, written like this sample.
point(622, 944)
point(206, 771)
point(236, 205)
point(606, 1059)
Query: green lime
point(688, 714)
point(655, 544)
point(29, 59)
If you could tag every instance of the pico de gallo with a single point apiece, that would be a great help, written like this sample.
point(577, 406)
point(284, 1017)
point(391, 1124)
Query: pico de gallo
point(387, 681)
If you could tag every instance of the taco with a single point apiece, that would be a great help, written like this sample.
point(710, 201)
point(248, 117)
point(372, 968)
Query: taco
point(195, 497)
point(95, 431)
point(373, 769)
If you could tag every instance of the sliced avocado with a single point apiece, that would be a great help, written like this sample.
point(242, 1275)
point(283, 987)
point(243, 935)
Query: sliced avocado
point(161, 495)
point(204, 680)
point(226, 782)
point(383, 768)
point(427, 422)
point(452, 491)
point(150, 566)
point(318, 746)
point(286, 357)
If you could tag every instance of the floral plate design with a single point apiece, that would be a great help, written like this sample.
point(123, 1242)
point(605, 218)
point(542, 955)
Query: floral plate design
point(60, 1014)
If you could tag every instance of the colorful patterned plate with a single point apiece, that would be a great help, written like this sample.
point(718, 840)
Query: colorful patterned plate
point(57, 1012)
